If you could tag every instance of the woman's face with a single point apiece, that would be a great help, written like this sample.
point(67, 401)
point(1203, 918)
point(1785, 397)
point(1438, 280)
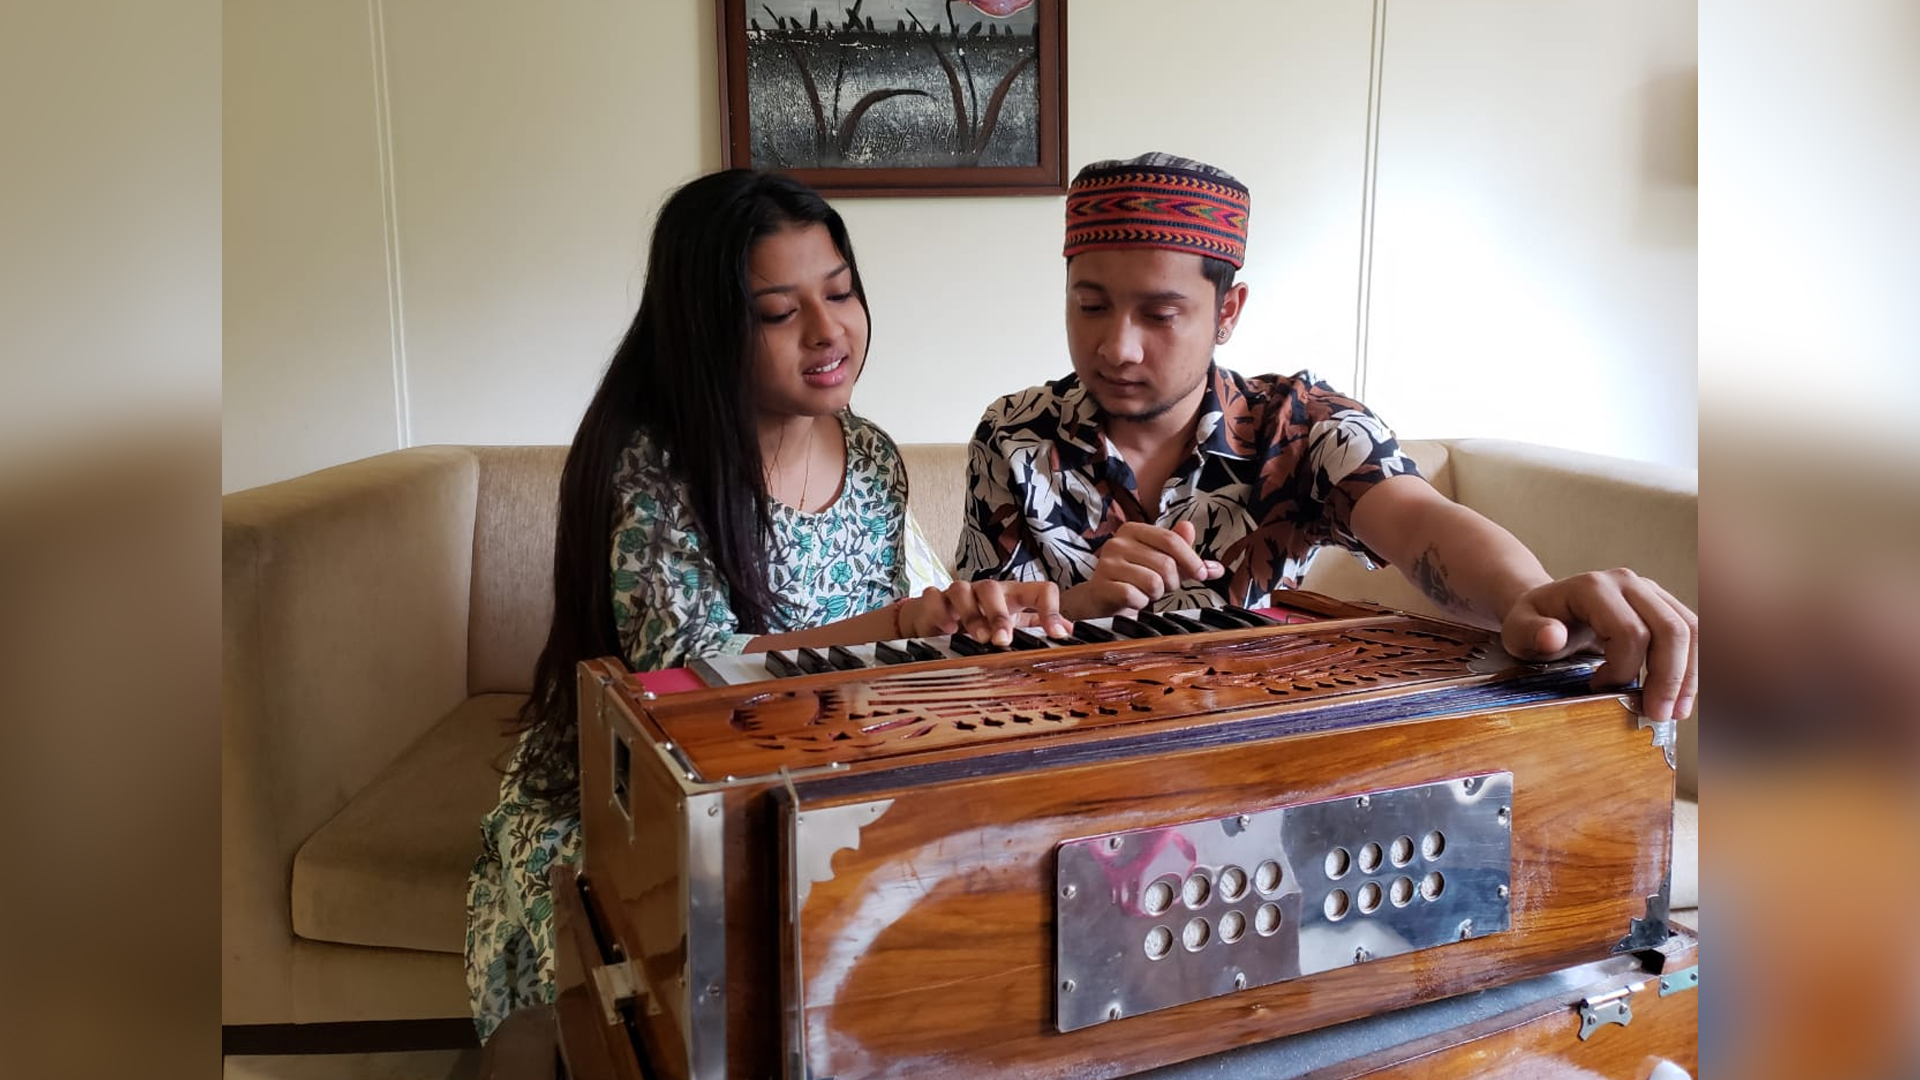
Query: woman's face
point(813, 328)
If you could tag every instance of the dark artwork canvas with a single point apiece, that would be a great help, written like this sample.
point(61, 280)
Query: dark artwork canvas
point(869, 95)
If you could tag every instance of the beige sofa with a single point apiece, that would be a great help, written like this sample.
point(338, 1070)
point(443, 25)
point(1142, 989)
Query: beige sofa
point(381, 621)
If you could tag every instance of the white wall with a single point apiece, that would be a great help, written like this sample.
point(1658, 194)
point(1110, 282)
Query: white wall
point(308, 373)
point(1534, 255)
point(529, 150)
point(1812, 235)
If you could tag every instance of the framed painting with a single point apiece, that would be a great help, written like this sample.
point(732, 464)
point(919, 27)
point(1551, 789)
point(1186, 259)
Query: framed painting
point(898, 97)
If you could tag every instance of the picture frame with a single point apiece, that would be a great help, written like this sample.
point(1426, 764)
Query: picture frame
point(897, 97)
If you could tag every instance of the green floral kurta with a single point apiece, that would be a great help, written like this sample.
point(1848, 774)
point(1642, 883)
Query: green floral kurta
point(858, 554)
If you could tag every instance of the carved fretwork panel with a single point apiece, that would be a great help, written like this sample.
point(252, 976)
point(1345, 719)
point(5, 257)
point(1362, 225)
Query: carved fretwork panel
point(848, 716)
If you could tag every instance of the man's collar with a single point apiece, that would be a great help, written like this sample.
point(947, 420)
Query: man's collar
point(1223, 414)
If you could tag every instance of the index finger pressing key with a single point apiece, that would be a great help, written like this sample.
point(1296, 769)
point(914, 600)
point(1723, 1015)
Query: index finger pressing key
point(1186, 559)
point(1044, 601)
point(995, 621)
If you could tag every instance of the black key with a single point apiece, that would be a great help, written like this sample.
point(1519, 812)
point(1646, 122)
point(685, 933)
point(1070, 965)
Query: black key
point(1030, 639)
point(1251, 618)
point(781, 666)
point(885, 652)
point(1220, 619)
point(920, 650)
point(1087, 631)
point(811, 661)
point(1186, 623)
point(1160, 624)
point(966, 646)
point(840, 658)
point(1133, 628)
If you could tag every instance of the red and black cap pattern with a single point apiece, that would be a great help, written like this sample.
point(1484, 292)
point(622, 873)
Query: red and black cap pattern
point(1158, 201)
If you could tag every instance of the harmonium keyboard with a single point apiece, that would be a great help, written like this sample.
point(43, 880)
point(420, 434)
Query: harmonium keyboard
point(1166, 838)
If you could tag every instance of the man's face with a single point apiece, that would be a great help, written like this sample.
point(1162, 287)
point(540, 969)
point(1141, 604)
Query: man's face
point(1141, 325)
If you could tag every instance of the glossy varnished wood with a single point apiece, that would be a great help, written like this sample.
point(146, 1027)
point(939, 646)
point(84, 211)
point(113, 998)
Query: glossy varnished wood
point(1543, 1042)
point(1537, 1040)
point(930, 951)
point(1064, 694)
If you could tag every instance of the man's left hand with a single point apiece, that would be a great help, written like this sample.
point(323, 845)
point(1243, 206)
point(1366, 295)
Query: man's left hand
point(1631, 620)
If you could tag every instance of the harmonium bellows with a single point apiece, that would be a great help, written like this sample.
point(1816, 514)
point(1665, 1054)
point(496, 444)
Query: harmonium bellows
point(1089, 860)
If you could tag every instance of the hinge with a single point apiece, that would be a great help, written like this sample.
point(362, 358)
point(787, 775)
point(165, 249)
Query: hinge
point(1613, 1008)
point(622, 982)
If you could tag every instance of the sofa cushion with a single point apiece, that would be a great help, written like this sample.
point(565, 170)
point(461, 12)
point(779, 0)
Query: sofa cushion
point(391, 868)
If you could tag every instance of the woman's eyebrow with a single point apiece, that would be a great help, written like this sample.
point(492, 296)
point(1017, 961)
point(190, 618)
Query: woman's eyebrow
point(771, 289)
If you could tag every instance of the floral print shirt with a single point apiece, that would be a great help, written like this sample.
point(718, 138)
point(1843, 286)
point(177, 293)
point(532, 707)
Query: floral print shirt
point(856, 555)
point(1276, 468)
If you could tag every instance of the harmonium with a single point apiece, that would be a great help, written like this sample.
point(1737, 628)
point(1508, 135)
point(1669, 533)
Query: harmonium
point(1167, 837)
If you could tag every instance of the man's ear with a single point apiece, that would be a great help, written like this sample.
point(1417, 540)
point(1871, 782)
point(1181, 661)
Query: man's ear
point(1231, 307)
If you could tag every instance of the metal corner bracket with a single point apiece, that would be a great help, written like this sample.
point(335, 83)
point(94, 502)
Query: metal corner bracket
point(1651, 930)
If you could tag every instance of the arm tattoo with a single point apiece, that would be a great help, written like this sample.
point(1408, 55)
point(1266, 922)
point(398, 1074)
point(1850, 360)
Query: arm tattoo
point(1431, 576)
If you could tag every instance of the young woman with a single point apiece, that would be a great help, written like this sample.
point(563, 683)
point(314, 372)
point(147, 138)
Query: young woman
point(720, 496)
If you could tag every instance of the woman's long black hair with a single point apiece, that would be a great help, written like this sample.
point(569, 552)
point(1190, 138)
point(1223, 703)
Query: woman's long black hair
point(684, 373)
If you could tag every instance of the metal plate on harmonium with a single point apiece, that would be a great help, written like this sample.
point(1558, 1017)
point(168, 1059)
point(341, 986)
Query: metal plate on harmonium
point(1157, 917)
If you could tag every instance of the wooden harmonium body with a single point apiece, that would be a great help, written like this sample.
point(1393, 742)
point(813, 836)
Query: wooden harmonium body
point(1092, 860)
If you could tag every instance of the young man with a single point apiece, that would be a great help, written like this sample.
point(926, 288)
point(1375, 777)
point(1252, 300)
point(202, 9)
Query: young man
point(1151, 476)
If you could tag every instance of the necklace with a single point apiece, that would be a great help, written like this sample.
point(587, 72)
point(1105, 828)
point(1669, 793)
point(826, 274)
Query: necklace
point(806, 473)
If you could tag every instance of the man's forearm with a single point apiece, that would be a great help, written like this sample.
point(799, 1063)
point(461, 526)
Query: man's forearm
point(1470, 568)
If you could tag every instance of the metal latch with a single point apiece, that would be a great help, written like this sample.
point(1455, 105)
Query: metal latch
point(1613, 1008)
point(621, 982)
point(1665, 734)
point(1675, 981)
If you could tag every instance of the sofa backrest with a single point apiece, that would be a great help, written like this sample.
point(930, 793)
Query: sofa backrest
point(512, 588)
point(1341, 573)
point(937, 492)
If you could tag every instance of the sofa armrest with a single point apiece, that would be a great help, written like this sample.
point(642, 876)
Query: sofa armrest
point(1580, 511)
point(344, 637)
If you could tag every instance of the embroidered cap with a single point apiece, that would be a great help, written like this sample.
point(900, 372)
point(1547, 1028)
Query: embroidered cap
point(1158, 201)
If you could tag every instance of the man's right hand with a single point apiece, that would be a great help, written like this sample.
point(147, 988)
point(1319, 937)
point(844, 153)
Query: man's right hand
point(1139, 564)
